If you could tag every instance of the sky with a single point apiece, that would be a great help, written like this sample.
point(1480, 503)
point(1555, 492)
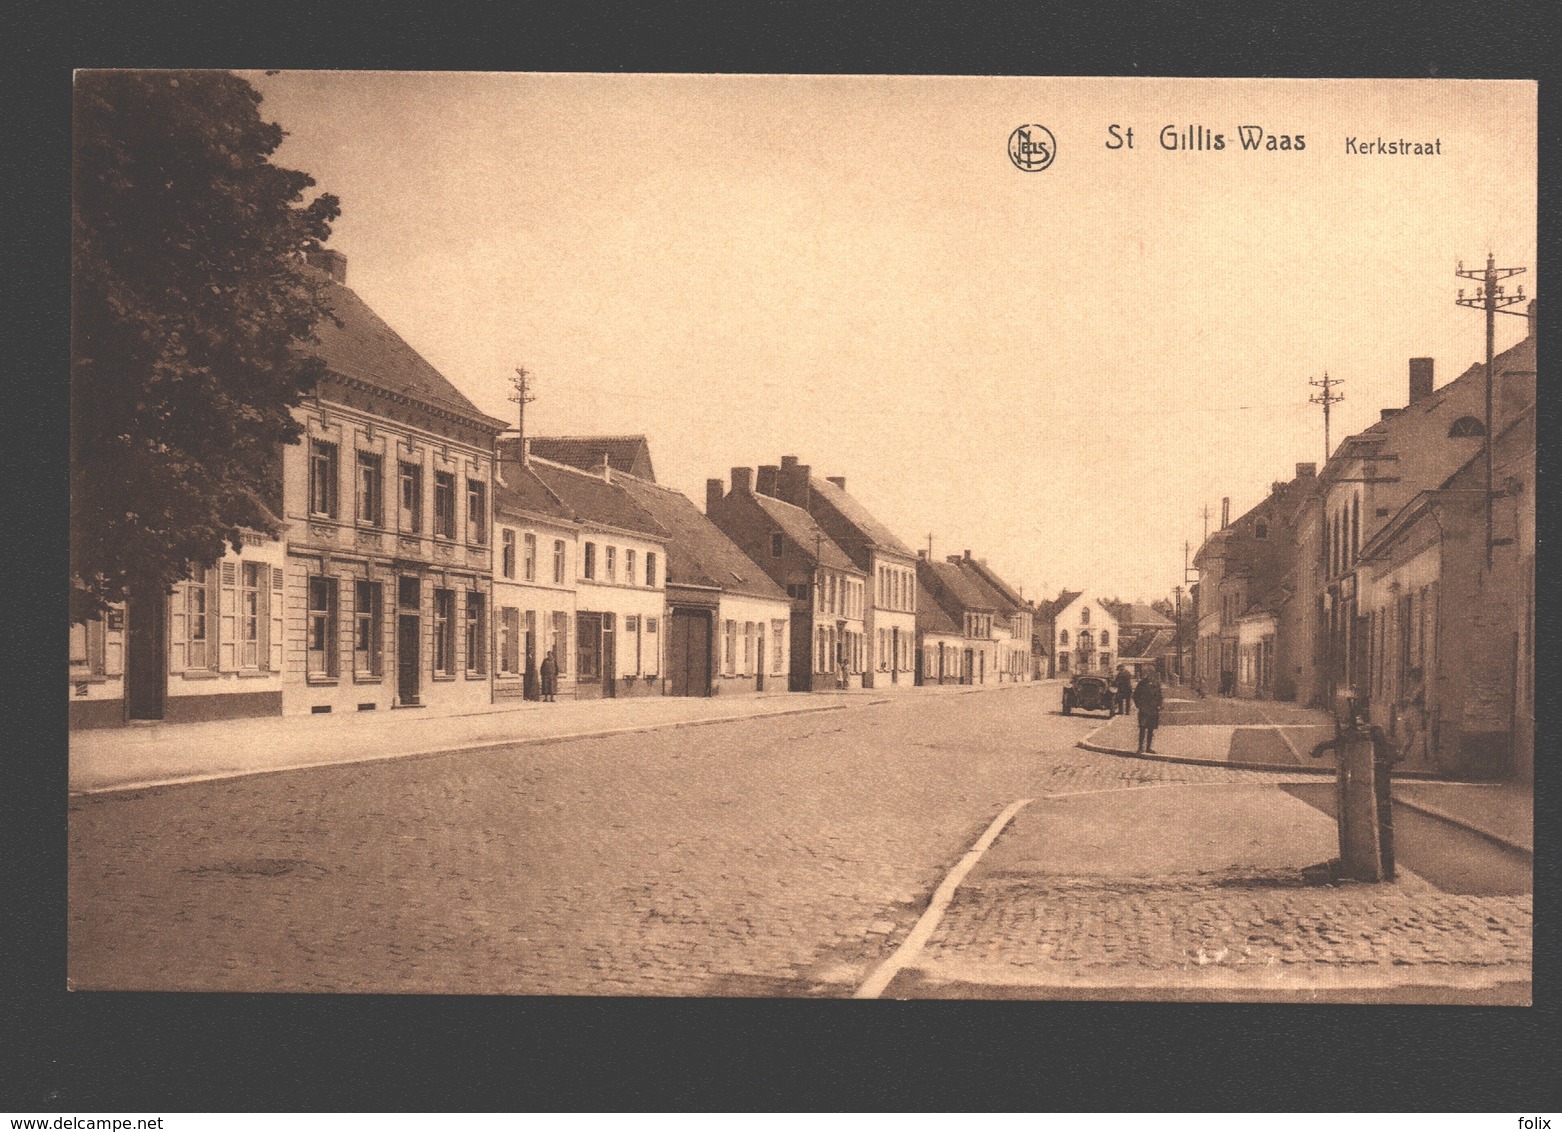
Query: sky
point(1056, 369)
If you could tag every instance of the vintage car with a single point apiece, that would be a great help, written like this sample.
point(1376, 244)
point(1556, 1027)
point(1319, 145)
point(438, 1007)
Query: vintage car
point(1088, 693)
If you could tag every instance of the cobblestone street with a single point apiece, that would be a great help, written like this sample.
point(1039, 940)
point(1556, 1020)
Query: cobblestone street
point(784, 856)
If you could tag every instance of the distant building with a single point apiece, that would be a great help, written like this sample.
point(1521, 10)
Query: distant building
point(1082, 632)
point(536, 549)
point(1015, 619)
point(728, 625)
point(971, 607)
point(827, 590)
point(941, 645)
point(1146, 637)
point(619, 583)
point(889, 616)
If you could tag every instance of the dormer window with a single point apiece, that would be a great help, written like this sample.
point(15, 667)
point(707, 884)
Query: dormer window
point(1261, 531)
point(1466, 426)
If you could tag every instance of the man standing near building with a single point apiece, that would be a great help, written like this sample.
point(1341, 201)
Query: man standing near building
point(1147, 698)
point(1124, 685)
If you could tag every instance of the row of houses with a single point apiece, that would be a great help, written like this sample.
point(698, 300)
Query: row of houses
point(1391, 576)
point(433, 559)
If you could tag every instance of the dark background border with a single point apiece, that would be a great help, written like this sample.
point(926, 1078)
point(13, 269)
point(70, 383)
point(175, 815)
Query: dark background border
point(150, 1053)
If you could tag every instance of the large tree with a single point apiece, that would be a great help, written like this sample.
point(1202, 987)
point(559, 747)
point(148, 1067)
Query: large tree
point(191, 305)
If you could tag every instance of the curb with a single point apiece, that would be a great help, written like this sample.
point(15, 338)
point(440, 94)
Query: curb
point(457, 749)
point(1412, 775)
point(1443, 815)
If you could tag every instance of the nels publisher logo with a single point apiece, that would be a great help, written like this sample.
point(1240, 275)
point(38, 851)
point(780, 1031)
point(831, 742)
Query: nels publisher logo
point(1032, 148)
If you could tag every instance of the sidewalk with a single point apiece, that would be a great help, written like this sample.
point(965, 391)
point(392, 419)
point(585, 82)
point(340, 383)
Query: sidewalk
point(167, 753)
point(1206, 902)
point(1258, 735)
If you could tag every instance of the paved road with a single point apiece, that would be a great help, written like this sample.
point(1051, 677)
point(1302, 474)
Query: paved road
point(784, 856)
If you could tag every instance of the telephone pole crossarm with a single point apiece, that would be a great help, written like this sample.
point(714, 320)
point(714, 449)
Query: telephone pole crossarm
point(1326, 397)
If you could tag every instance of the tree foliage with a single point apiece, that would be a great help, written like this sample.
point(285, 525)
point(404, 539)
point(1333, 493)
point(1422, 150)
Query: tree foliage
point(191, 302)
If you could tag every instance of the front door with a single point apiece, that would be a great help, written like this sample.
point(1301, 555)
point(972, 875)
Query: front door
point(609, 657)
point(688, 652)
point(407, 625)
point(146, 661)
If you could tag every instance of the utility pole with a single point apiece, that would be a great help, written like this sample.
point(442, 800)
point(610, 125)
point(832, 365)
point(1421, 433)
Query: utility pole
point(1490, 297)
point(1206, 523)
point(1326, 398)
point(523, 396)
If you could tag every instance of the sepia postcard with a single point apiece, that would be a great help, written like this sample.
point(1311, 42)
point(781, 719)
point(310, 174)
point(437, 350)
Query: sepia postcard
point(803, 536)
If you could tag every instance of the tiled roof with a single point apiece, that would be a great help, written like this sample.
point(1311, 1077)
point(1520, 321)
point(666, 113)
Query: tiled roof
point(1065, 598)
point(365, 348)
point(1006, 597)
point(518, 488)
point(630, 454)
point(1134, 614)
point(593, 500)
point(931, 617)
point(697, 550)
point(858, 516)
point(960, 590)
point(799, 526)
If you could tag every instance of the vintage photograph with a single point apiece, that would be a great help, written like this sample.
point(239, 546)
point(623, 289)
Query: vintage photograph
point(802, 536)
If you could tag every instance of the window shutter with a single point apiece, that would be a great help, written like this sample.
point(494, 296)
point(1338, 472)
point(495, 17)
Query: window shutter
point(274, 609)
point(228, 618)
point(178, 629)
point(333, 635)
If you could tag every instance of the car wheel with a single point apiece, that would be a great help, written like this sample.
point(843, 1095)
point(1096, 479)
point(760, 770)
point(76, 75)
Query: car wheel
point(1068, 708)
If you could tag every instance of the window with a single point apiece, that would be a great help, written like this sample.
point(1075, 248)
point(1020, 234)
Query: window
point(322, 627)
point(322, 478)
point(444, 505)
point(1084, 615)
point(444, 632)
point(653, 652)
point(368, 629)
point(476, 642)
point(1466, 426)
point(371, 489)
point(191, 644)
point(590, 565)
point(1063, 637)
point(411, 498)
point(507, 553)
point(1261, 531)
point(529, 558)
point(778, 647)
point(509, 641)
point(777, 544)
point(252, 615)
point(1062, 662)
point(476, 512)
point(797, 591)
point(558, 562)
point(1106, 638)
point(632, 635)
point(588, 634)
point(629, 567)
point(610, 563)
point(559, 640)
point(650, 568)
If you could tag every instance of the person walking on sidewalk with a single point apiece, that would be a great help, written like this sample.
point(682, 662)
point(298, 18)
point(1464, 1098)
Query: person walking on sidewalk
point(1147, 698)
point(1125, 687)
point(550, 677)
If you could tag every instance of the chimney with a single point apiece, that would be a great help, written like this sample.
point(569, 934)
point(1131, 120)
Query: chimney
point(1420, 379)
point(743, 481)
point(792, 482)
point(1277, 487)
point(839, 481)
point(605, 469)
point(955, 559)
point(1306, 471)
point(713, 493)
point(329, 260)
point(1225, 511)
point(766, 482)
point(922, 554)
point(1385, 414)
point(1529, 313)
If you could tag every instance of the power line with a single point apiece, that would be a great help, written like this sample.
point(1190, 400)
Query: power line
point(1490, 297)
point(1326, 398)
